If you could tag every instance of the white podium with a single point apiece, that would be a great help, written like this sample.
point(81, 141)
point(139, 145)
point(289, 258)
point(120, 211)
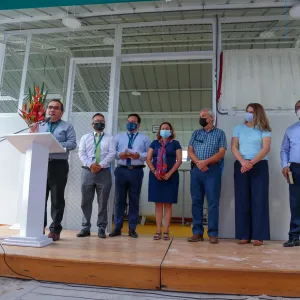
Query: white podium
point(36, 147)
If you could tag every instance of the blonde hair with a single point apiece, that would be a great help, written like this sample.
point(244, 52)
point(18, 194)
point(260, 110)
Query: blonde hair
point(261, 120)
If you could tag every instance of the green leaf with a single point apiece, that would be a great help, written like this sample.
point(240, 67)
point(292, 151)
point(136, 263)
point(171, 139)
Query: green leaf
point(30, 95)
point(45, 98)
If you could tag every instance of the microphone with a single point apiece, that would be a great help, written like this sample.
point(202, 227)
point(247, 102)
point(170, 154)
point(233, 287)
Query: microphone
point(45, 121)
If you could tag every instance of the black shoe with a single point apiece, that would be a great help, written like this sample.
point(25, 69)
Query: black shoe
point(133, 234)
point(101, 233)
point(115, 232)
point(291, 243)
point(83, 233)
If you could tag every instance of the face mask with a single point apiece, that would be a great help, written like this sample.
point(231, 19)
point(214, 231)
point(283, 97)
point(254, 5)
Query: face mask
point(298, 113)
point(99, 126)
point(249, 117)
point(165, 133)
point(203, 122)
point(131, 126)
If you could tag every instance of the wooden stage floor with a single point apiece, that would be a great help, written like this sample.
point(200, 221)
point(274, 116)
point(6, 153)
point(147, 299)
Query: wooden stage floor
point(176, 265)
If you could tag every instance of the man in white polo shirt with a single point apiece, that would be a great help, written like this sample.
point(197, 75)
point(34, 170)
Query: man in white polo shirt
point(96, 151)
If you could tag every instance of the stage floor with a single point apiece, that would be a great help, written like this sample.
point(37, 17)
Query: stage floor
point(175, 265)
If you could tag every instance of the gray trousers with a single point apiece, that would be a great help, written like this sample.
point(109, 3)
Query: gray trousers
point(101, 183)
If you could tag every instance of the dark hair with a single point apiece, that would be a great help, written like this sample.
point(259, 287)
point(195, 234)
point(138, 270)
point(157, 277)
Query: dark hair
point(58, 101)
point(137, 116)
point(296, 104)
point(172, 136)
point(98, 114)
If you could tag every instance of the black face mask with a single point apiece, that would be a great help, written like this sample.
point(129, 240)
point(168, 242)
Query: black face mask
point(203, 122)
point(99, 126)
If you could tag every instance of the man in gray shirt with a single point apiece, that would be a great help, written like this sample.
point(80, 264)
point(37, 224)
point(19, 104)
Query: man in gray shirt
point(58, 166)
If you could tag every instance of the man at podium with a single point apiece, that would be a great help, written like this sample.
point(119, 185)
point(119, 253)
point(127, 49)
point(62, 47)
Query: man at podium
point(58, 166)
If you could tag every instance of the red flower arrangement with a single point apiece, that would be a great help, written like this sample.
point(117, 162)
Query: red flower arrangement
point(34, 110)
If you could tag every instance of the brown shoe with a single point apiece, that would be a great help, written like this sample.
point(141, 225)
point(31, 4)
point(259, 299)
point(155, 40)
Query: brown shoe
point(213, 240)
point(54, 236)
point(258, 243)
point(196, 238)
point(243, 242)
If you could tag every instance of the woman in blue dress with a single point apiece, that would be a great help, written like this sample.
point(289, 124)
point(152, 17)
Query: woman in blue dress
point(163, 159)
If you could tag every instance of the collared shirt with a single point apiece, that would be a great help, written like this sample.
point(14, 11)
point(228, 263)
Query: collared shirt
point(290, 147)
point(140, 145)
point(86, 150)
point(250, 140)
point(208, 143)
point(65, 135)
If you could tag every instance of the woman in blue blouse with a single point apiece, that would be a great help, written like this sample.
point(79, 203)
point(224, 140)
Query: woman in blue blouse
point(163, 159)
point(250, 145)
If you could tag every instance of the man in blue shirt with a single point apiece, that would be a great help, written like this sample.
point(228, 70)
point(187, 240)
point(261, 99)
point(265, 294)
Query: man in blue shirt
point(206, 149)
point(58, 166)
point(290, 162)
point(131, 153)
point(96, 152)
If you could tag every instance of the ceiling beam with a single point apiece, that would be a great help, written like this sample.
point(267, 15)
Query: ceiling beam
point(141, 9)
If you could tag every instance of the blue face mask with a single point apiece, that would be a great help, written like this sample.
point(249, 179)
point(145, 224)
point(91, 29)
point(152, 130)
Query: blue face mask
point(165, 134)
point(249, 117)
point(131, 126)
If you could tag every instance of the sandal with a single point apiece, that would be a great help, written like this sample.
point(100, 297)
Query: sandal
point(157, 236)
point(166, 236)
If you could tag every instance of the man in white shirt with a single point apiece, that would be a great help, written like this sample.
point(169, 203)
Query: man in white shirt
point(96, 151)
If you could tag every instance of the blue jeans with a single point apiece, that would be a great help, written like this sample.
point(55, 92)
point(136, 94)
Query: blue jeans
point(295, 203)
point(206, 183)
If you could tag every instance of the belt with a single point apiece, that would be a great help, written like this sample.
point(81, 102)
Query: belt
point(212, 164)
point(294, 163)
point(87, 168)
point(58, 160)
point(131, 167)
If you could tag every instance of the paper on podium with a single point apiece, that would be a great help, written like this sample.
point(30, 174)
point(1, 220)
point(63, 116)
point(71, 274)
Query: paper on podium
point(24, 141)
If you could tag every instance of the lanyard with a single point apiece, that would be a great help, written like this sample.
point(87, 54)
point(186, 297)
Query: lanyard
point(99, 141)
point(53, 126)
point(131, 140)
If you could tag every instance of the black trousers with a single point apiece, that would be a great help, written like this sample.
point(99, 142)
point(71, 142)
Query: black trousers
point(252, 202)
point(58, 170)
point(295, 202)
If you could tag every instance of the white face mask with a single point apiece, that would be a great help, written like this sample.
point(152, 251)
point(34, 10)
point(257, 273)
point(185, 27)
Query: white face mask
point(298, 113)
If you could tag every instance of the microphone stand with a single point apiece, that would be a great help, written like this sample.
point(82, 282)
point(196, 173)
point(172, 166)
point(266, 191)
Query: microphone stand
point(3, 138)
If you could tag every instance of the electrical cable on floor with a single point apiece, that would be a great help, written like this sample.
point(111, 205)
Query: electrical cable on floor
point(144, 293)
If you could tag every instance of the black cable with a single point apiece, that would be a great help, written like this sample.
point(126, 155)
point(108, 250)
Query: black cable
point(85, 287)
point(3, 138)
point(6, 263)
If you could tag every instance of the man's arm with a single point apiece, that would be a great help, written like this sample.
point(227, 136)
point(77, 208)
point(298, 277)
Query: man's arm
point(217, 157)
point(118, 153)
point(285, 155)
point(82, 153)
point(285, 151)
point(111, 154)
point(143, 155)
point(222, 149)
point(70, 143)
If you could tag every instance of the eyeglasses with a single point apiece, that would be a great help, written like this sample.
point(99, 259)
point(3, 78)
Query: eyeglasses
point(54, 107)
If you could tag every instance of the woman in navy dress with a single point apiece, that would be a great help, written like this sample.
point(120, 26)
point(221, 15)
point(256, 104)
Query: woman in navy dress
point(163, 159)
